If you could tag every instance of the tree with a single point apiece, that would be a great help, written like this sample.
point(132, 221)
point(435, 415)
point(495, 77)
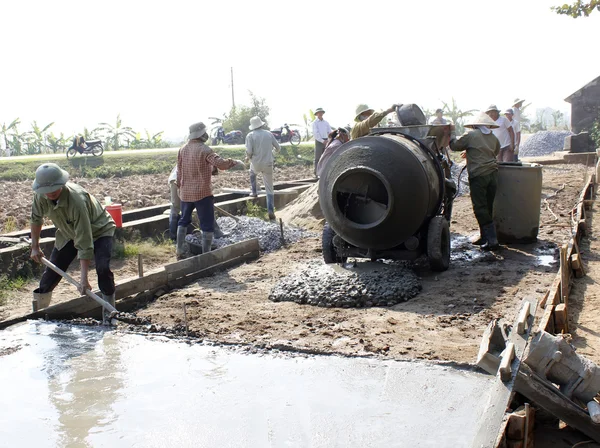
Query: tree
point(308, 120)
point(239, 116)
point(457, 115)
point(116, 134)
point(578, 8)
point(36, 139)
point(7, 131)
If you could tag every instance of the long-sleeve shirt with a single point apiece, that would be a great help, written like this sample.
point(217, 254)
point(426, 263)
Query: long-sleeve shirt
point(195, 162)
point(363, 128)
point(172, 176)
point(482, 150)
point(331, 148)
point(321, 130)
point(77, 216)
point(260, 145)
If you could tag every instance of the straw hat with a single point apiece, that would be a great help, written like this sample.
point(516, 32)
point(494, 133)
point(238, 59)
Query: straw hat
point(491, 108)
point(197, 130)
point(255, 123)
point(49, 177)
point(482, 119)
point(319, 109)
point(517, 101)
point(361, 109)
point(509, 111)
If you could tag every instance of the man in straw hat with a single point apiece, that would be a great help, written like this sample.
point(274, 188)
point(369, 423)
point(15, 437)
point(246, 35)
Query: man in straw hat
point(481, 149)
point(84, 229)
point(260, 145)
point(321, 130)
point(504, 133)
point(195, 163)
point(517, 111)
point(366, 119)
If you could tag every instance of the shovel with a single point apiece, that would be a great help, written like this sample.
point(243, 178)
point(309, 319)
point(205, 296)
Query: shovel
point(107, 307)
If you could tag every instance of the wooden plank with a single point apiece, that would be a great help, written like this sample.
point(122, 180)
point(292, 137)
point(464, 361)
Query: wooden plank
point(565, 273)
point(547, 320)
point(547, 396)
point(561, 322)
point(522, 319)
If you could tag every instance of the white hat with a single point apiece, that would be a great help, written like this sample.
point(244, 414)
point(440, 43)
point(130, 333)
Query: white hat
point(255, 123)
point(197, 130)
point(491, 108)
point(482, 119)
point(509, 111)
point(361, 109)
point(517, 101)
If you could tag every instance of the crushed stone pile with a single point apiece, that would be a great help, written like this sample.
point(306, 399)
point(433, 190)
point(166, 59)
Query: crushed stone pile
point(463, 185)
point(268, 233)
point(543, 143)
point(331, 285)
point(304, 211)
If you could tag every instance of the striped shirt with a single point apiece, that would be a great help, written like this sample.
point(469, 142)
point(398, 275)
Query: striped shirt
point(195, 162)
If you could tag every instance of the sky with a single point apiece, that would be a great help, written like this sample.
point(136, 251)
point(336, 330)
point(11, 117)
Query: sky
point(163, 65)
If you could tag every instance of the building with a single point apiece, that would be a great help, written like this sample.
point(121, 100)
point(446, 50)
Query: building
point(585, 106)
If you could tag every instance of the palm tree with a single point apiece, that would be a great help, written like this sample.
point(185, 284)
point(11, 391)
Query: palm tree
point(115, 133)
point(456, 115)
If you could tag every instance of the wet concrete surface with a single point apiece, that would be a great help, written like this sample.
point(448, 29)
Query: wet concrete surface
point(65, 385)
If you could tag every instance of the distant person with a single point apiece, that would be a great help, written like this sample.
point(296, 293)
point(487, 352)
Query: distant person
point(336, 139)
point(504, 133)
point(518, 118)
point(509, 114)
point(366, 119)
point(321, 130)
point(439, 117)
point(260, 148)
point(481, 147)
point(79, 143)
point(84, 230)
point(195, 162)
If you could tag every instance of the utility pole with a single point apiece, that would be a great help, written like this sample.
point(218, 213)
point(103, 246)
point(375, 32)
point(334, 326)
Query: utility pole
point(232, 95)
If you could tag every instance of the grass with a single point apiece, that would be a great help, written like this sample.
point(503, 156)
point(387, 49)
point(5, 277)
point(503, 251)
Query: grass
point(10, 224)
point(122, 165)
point(152, 249)
point(10, 284)
point(256, 211)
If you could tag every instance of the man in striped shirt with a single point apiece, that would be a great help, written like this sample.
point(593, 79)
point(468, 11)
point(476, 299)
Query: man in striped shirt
point(195, 162)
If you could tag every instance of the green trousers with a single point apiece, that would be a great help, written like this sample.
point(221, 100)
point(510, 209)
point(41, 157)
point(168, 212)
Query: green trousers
point(483, 192)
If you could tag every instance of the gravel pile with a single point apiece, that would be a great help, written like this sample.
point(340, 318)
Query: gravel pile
point(455, 170)
point(543, 143)
point(330, 285)
point(268, 234)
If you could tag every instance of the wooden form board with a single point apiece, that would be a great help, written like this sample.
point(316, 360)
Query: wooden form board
point(174, 275)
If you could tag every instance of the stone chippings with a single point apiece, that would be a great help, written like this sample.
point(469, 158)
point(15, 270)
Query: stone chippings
point(368, 284)
point(463, 185)
point(543, 143)
point(268, 234)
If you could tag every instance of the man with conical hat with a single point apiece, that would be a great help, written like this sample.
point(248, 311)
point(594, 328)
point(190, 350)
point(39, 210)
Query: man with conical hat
point(366, 119)
point(481, 148)
point(321, 130)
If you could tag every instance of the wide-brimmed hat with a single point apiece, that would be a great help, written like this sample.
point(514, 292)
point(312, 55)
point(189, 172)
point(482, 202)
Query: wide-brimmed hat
point(509, 111)
point(361, 109)
point(491, 108)
point(517, 101)
point(255, 123)
point(481, 119)
point(197, 130)
point(319, 109)
point(49, 177)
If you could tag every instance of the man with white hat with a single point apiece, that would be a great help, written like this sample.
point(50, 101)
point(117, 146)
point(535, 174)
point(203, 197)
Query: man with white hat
point(84, 229)
point(260, 147)
point(517, 111)
point(366, 119)
point(504, 133)
point(481, 149)
point(195, 163)
point(321, 130)
point(509, 114)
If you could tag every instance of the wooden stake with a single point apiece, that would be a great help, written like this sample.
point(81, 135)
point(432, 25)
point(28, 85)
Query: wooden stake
point(185, 320)
point(140, 265)
point(281, 229)
point(564, 275)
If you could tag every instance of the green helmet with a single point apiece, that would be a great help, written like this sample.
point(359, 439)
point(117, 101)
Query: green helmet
point(49, 177)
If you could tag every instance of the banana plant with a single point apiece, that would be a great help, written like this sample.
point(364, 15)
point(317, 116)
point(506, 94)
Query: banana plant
point(457, 115)
point(7, 131)
point(57, 144)
point(308, 119)
point(116, 134)
point(37, 139)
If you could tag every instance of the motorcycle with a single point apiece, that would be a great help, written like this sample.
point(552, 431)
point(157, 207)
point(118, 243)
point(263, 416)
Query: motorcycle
point(80, 146)
point(231, 138)
point(286, 135)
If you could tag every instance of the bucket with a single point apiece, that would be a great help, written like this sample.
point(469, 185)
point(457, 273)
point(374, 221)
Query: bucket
point(517, 203)
point(116, 211)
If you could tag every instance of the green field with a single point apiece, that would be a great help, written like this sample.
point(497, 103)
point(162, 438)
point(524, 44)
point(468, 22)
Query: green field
point(114, 164)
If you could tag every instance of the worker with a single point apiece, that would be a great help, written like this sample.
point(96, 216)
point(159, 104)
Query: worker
point(336, 139)
point(509, 114)
point(517, 119)
point(260, 148)
point(504, 133)
point(195, 162)
point(439, 118)
point(366, 119)
point(481, 148)
point(321, 130)
point(84, 229)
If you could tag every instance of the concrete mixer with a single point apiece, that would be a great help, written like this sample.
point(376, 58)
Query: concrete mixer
point(389, 195)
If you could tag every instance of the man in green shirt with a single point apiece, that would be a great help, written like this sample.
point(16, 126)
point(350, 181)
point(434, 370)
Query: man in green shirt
point(84, 229)
point(366, 119)
point(481, 149)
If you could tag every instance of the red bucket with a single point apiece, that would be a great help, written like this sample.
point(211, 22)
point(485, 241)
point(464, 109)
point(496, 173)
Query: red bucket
point(116, 211)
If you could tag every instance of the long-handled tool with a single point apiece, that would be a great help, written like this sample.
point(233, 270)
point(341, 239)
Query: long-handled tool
point(226, 213)
point(107, 307)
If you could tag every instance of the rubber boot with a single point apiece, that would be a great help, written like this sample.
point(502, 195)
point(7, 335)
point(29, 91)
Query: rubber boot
point(105, 313)
point(40, 300)
point(173, 221)
point(180, 251)
point(207, 238)
point(490, 236)
point(271, 206)
point(481, 240)
point(253, 184)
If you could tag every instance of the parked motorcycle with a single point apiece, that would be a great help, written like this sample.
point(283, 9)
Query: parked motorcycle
point(286, 135)
point(231, 138)
point(80, 146)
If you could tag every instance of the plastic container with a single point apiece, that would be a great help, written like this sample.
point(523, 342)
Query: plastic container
point(517, 203)
point(116, 211)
